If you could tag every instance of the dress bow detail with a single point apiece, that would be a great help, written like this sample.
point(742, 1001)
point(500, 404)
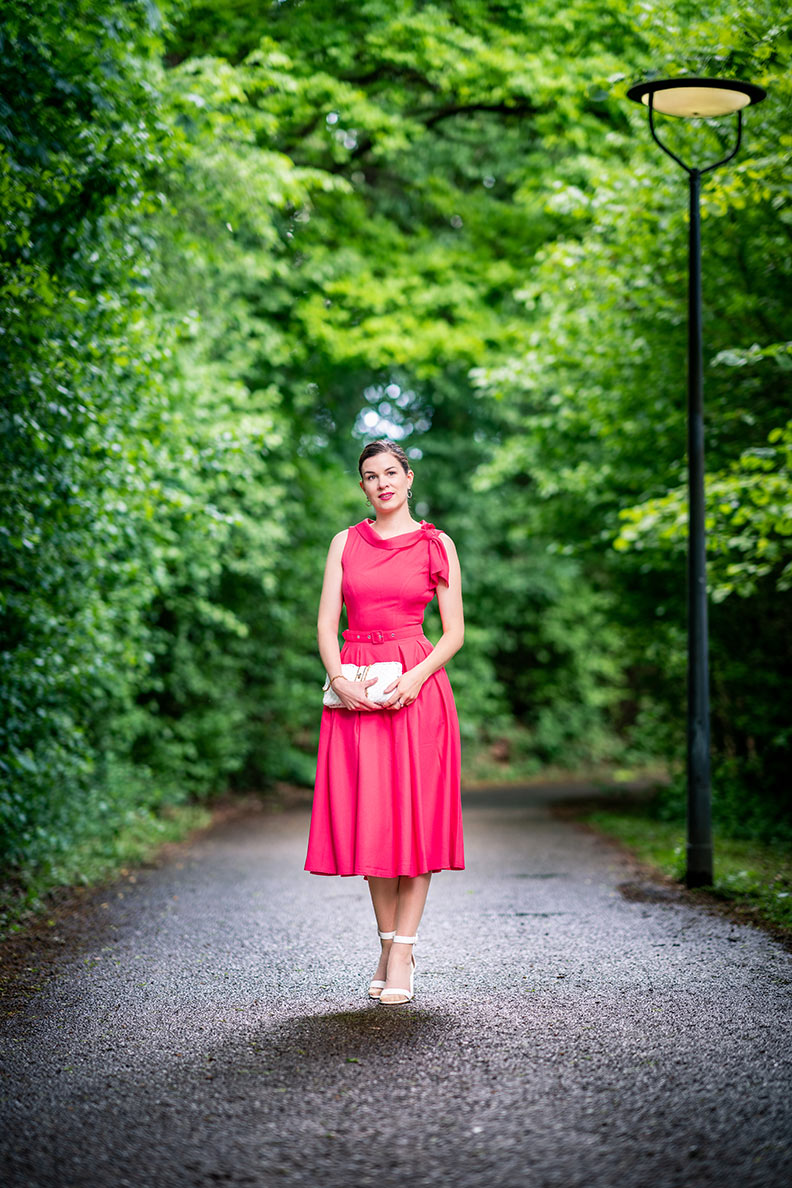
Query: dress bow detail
point(438, 558)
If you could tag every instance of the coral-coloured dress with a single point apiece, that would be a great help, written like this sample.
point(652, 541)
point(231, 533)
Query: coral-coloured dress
point(387, 795)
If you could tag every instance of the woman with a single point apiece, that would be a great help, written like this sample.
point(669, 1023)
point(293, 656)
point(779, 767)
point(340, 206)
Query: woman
point(387, 797)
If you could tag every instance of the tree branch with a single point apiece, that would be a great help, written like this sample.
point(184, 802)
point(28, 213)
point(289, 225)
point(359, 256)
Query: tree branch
point(453, 109)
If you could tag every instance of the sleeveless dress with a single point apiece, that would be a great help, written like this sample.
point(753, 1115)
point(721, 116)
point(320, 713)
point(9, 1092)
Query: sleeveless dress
point(387, 794)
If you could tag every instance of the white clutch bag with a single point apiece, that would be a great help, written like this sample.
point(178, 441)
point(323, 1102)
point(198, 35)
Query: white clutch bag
point(386, 672)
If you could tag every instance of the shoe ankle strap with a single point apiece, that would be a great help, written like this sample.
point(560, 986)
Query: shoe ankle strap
point(404, 940)
point(387, 935)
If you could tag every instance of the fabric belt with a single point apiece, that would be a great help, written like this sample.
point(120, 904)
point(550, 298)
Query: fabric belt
point(383, 636)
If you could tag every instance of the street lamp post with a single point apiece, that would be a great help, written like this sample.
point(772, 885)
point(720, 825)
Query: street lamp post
point(696, 98)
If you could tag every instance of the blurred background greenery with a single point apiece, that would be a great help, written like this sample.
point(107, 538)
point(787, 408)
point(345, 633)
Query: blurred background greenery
point(241, 238)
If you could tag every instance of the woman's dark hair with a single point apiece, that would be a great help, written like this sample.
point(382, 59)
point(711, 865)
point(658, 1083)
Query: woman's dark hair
point(383, 447)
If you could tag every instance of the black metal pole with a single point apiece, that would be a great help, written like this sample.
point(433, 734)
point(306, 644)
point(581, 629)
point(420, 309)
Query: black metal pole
point(699, 832)
point(698, 871)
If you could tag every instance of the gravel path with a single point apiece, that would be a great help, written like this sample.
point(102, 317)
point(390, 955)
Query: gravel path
point(212, 1027)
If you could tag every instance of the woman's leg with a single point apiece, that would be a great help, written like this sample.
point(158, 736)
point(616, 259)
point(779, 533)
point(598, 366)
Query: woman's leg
point(384, 897)
point(410, 903)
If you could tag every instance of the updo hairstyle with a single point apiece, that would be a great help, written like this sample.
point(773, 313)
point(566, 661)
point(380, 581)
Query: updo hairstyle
point(383, 447)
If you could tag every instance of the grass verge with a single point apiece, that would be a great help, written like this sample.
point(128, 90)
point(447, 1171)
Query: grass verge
point(97, 859)
point(754, 877)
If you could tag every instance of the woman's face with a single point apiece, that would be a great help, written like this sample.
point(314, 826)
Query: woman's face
point(386, 482)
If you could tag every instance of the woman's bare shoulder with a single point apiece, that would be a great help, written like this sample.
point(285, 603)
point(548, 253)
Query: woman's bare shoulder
point(338, 542)
point(448, 542)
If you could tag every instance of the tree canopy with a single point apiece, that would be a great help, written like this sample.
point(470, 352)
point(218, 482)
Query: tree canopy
point(242, 239)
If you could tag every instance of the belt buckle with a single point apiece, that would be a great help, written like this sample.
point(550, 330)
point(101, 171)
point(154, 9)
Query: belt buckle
point(376, 637)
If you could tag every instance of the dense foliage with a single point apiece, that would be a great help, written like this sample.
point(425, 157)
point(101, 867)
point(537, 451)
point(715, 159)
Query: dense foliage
point(238, 240)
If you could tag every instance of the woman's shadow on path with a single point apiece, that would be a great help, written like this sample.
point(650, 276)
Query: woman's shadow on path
point(310, 1043)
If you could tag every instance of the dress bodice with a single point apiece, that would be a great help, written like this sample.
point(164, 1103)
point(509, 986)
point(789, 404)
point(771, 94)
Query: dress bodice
point(388, 583)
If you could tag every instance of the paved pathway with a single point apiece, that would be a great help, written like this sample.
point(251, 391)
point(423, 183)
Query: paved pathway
point(213, 1028)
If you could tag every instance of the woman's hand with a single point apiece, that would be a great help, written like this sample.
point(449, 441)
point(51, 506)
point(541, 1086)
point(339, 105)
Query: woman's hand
point(353, 693)
point(404, 691)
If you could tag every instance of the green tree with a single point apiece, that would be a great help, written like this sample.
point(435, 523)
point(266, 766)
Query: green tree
point(239, 240)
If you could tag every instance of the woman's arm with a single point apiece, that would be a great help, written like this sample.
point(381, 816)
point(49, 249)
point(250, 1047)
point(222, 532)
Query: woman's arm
point(352, 693)
point(449, 599)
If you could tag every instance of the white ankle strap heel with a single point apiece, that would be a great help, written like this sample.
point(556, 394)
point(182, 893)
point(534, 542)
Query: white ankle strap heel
point(376, 986)
point(405, 995)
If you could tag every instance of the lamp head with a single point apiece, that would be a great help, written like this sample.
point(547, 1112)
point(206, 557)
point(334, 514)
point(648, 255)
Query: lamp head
point(697, 98)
